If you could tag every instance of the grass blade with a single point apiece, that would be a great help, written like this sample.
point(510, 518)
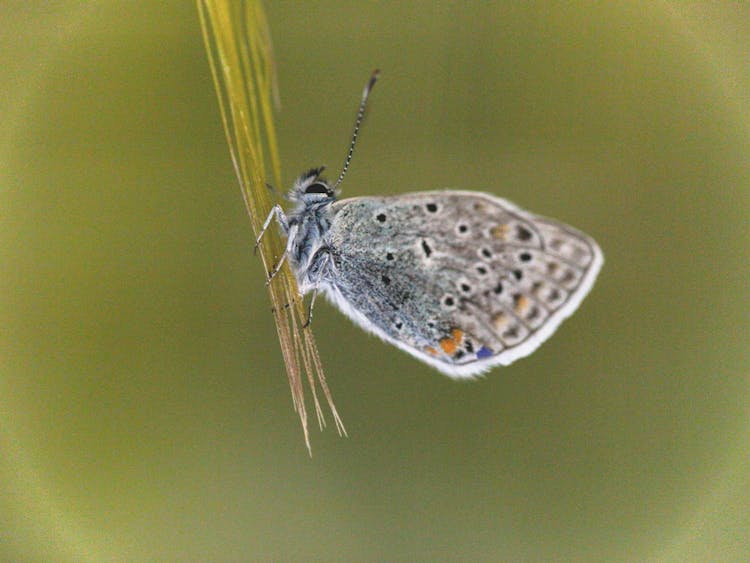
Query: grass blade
point(240, 53)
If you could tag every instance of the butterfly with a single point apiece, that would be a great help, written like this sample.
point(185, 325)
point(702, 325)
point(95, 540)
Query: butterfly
point(461, 280)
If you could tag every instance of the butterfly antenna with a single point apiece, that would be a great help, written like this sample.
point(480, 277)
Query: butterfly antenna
point(357, 123)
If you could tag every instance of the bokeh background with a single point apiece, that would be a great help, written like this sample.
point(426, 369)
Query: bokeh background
point(144, 407)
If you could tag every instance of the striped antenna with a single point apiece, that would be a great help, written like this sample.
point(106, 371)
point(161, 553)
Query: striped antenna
point(357, 123)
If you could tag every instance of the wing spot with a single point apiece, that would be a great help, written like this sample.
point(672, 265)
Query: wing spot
point(483, 353)
point(448, 346)
point(389, 256)
point(522, 233)
point(426, 249)
point(431, 207)
point(386, 279)
point(458, 335)
point(512, 332)
point(486, 252)
point(465, 287)
point(463, 228)
point(500, 320)
point(520, 303)
point(569, 276)
point(499, 231)
point(448, 301)
point(579, 253)
point(518, 274)
point(380, 217)
point(525, 257)
point(481, 270)
point(498, 289)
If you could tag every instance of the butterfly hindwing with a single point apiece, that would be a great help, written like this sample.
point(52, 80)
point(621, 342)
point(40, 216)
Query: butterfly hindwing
point(462, 280)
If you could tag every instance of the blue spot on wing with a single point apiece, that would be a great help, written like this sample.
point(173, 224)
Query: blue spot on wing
point(483, 352)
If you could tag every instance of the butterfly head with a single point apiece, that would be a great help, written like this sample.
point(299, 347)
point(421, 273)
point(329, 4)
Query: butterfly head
point(311, 188)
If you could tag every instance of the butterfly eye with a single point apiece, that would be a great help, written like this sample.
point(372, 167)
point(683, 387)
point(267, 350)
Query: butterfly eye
point(317, 188)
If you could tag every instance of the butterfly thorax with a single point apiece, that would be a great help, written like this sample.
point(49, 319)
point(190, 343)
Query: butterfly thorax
point(308, 226)
point(312, 222)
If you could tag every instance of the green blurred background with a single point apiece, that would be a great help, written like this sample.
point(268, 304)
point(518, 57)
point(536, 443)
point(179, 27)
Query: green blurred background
point(144, 407)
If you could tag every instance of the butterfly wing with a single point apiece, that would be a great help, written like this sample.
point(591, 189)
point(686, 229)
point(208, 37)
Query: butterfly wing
point(461, 280)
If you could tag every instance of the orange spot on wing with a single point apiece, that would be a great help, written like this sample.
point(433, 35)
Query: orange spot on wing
point(458, 336)
point(499, 231)
point(522, 304)
point(451, 344)
point(448, 345)
point(500, 320)
point(431, 351)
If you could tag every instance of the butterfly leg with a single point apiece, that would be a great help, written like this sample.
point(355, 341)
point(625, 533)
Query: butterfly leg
point(289, 243)
point(278, 212)
point(321, 270)
point(310, 308)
